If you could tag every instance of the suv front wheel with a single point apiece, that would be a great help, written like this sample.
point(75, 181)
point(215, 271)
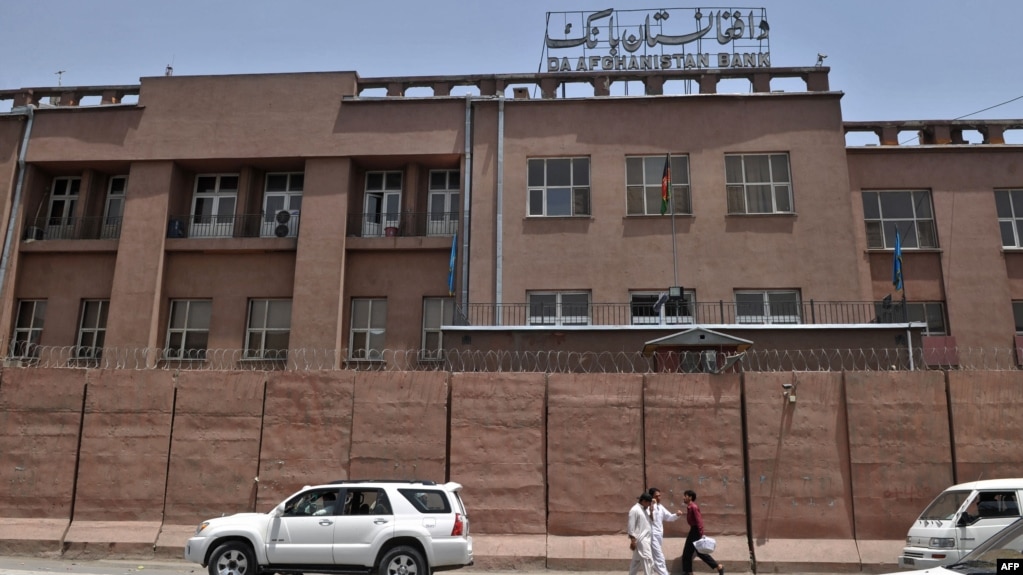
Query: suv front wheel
point(233, 558)
point(401, 560)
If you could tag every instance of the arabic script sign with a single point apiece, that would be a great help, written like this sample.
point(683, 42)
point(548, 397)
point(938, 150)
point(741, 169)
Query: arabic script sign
point(674, 38)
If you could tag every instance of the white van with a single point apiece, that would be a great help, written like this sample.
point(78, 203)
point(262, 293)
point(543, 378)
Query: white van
point(959, 519)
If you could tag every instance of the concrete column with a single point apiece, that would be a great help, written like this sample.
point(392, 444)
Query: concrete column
point(654, 85)
point(133, 320)
point(709, 84)
point(761, 83)
point(318, 296)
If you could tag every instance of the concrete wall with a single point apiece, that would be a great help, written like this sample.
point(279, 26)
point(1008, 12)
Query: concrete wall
point(88, 455)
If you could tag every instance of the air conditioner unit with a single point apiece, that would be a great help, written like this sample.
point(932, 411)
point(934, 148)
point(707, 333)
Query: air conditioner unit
point(286, 223)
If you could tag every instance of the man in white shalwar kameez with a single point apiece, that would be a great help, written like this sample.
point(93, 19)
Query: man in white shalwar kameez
point(639, 537)
point(658, 515)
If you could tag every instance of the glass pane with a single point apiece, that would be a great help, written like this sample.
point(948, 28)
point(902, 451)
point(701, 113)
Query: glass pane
point(928, 238)
point(296, 182)
point(280, 314)
point(875, 239)
point(449, 311)
point(781, 198)
point(733, 169)
point(1003, 204)
point(205, 184)
point(634, 171)
point(1017, 201)
point(736, 200)
point(196, 339)
point(559, 172)
point(257, 313)
point(680, 169)
point(225, 207)
point(581, 201)
point(749, 304)
point(681, 199)
point(559, 202)
point(377, 341)
point(779, 168)
point(276, 182)
point(375, 181)
point(432, 340)
point(438, 180)
point(575, 304)
point(758, 198)
point(536, 202)
point(40, 313)
point(91, 314)
point(535, 176)
point(115, 209)
point(73, 186)
point(117, 185)
point(276, 340)
point(177, 315)
point(922, 202)
point(871, 211)
point(296, 202)
point(378, 320)
point(274, 204)
point(542, 304)
point(1017, 314)
point(1008, 239)
point(638, 198)
point(581, 171)
point(174, 340)
point(228, 184)
point(360, 313)
point(25, 315)
point(104, 307)
point(758, 169)
point(431, 313)
point(199, 314)
point(393, 180)
point(896, 205)
point(87, 339)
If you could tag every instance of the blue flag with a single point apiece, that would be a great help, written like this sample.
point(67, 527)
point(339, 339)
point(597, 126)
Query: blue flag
point(451, 265)
point(897, 262)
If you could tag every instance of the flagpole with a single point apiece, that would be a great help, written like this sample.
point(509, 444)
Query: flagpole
point(674, 248)
point(900, 285)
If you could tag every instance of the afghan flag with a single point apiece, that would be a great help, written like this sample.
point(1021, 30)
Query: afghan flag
point(666, 185)
point(897, 262)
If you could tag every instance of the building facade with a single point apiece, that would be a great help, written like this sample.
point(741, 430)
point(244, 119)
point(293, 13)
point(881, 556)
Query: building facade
point(329, 218)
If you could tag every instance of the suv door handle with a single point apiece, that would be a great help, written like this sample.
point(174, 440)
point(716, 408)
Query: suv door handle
point(379, 521)
point(326, 522)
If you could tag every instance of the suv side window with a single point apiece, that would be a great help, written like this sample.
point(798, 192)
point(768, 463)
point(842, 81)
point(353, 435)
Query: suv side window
point(366, 502)
point(427, 500)
point(312, 502)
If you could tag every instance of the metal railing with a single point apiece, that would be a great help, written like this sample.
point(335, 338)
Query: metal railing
point(412, 224)
point(262, 225)
point(92, 228)
point(680, 313)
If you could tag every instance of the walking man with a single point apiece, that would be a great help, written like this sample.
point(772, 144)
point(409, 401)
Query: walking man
point(695, 520)
point(639, 537)
point(658, 515)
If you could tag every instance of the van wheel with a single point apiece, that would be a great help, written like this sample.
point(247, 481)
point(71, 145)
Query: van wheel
point(233, 558)
point(402, 560)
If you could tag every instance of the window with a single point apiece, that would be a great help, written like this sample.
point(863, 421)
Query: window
point(909, 211)
point(559, 308)
point(655, 308)
point(767, 306)
point(444, 193)
point(28, 328)
point(213, 206)
point(559, 186)
point(113, 210)
point(369, 326)
point(643, 185)
point(188, 329)
point(930, 313)
point(437, 311)
point(1009, 204)
point(758, 184)
point(92, 328)
point(282, 203)
point(1017, 313)
point(269, 329)
point(313, 502)
point(382, 204)
point(427, 500)
point(60, 222)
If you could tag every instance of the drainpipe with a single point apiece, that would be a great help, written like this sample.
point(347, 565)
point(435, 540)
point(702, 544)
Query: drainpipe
point(12, 222)
point(499, 249)
point(466, 196)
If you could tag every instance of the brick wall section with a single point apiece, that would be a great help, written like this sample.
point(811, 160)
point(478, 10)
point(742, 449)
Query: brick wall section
point(693, 440)
point(307, 432)
point(594, 452)
point(126, 433)
point(900, 448)
point(214, 454)
point(40, 420)
point(400, 425)
point(988, 416)
point(498, 431)
point(798, 458)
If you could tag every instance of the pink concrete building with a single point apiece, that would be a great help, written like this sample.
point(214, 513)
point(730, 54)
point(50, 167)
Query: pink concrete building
point(340, 217)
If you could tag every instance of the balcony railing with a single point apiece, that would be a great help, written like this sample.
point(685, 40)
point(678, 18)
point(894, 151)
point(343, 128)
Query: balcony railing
point(403, 224)
point(234, 226)
point(679, 313)
point(96, 228)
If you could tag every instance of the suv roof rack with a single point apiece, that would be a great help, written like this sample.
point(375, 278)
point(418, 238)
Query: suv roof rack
point(420, 481)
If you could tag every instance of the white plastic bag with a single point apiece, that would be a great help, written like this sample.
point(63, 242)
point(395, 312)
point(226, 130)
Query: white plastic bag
point(705, 544)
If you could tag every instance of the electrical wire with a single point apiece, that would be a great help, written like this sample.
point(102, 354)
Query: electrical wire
point(970, 114)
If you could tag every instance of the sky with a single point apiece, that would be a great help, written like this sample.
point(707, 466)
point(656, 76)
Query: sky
point(892, 59)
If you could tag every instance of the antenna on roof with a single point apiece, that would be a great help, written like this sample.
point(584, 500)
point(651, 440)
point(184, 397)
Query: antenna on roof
point(820, 59)
point(169, 71)
point(59, 73)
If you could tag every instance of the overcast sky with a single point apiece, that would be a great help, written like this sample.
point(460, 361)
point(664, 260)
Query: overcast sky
point(893, 59)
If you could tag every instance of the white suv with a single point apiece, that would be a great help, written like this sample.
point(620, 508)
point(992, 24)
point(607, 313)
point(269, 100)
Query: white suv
point(386, 527)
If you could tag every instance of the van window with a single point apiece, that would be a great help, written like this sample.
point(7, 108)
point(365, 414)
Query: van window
point(944, 507)
point(994, 504)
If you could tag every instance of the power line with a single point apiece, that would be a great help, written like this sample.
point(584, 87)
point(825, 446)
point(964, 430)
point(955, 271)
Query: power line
point(971, 114)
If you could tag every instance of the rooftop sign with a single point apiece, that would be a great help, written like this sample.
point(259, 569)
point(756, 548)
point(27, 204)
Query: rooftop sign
point(694, 38)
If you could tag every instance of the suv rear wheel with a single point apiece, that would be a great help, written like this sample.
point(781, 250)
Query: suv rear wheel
point(401, 560)
point(233, 558)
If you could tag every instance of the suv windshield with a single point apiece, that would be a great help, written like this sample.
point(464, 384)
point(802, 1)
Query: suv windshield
point(1006, 544)
point(945, 506)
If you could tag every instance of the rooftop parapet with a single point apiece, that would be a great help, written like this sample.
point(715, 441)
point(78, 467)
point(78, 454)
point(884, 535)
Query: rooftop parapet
point(935, 132)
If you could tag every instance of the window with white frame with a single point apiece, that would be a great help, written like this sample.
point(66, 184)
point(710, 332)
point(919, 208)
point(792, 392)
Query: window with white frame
point(382, 203)
point(1009, 204)
point(1017, 314)
point(282, 205)
point(369, 328)
point(767, 306)
point(643, 193)
point(92, 328)
point(910, 212)
point(559, 308)
point(60, 222)
point(269, 329)
point(656, 308)
point(113, 209)
point(213, 205)
point(758, 184)
point(931, 313)
point(28, 328)
point(558, 186)
point(188, 329)
point(445, 188)
point(437, 312)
